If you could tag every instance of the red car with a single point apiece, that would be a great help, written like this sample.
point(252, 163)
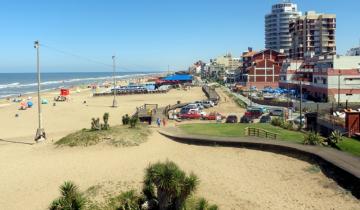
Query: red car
point(212, 116)
point(253, 113)
point(190, 115)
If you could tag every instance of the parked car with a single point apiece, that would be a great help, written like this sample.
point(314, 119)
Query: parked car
point(194, 106)
point(253, 113)
point(297, 120)
point(192, 114)
point(231, 119)
point(207, 104)
point(245, 119)
point(276, 112)
point(265, 119)
point(212, 116)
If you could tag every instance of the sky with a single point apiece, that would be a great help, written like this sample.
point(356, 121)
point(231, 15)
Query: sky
point(145, 35)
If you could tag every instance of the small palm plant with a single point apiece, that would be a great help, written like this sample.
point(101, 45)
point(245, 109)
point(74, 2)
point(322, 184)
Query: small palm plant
point(106, 125)
point(334, 138)
point(169, 185)
point(313, 138)
point(70, 199)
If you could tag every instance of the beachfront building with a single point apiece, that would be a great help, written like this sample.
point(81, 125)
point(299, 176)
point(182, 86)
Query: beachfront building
point(246, 58)
point(326, 78)
point(277, 36)
point(197, 68)
point(264, 69)
point(225, 68)
point(312, 34)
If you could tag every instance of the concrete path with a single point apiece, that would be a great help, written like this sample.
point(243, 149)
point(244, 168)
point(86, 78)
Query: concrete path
point(341, 160)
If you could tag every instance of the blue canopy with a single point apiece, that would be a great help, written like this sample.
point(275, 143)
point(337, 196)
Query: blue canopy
point(179, 77)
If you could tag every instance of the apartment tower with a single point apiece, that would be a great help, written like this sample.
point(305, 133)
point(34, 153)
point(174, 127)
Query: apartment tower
point(313, 34)
point(277, 36)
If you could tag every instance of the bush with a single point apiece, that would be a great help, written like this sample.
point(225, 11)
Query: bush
point(133, 121)
point(169, 185)
point(125, 119)
point(276, 121)
point(289, 125)
point(334, 138)
point(95, 124)
point(313, 138)
point(70, 199)
point(106, 125)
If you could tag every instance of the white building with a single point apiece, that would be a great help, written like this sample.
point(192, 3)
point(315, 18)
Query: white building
point(277, 36)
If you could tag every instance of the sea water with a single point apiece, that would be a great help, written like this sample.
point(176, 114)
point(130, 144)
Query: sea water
point(14, 84)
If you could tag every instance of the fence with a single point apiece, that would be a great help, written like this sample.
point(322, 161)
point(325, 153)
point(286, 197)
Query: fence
point(258, 132)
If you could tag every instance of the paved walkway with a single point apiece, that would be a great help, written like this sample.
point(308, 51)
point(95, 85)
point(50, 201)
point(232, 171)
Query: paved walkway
point(341, 160)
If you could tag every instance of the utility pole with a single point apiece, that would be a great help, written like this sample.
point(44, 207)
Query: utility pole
point(338, 88)
point(40, 132)
point(114, 104)
point(168, 70)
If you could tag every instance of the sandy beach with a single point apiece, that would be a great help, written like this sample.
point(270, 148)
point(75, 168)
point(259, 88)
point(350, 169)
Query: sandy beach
point(233, 178)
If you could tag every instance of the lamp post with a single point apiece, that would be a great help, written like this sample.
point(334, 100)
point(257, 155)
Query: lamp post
point(114, 104)
point(300, 104)
point(40, 132)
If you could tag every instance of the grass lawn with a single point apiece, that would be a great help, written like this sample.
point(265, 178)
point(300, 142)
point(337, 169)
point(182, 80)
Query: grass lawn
point(348, 145)
point(238, 130)
point(120, 135)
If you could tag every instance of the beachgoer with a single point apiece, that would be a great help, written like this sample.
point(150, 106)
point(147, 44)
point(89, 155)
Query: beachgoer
point(164, 122)
point(158, 122)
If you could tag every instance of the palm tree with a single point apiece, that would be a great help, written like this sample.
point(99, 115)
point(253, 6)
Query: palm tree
point(70, 199)
point(189, 185)
point(204, 205)
point(171, 185)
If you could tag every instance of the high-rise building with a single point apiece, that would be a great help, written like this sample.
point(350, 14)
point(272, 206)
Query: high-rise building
point(313, 34)
point(277, 36)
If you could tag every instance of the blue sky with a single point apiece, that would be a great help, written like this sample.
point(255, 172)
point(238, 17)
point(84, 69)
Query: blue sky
point(145, 35)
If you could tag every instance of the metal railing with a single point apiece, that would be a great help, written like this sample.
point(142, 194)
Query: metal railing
point(258, 132)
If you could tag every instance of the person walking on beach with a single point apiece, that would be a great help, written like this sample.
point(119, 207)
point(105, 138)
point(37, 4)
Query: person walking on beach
point(158, 121)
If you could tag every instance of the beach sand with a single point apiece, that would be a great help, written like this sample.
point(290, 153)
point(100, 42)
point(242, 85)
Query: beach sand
point(233, 178)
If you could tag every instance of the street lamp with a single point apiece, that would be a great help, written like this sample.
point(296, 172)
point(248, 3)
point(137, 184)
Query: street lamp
point(114, 104)
point(40, 132)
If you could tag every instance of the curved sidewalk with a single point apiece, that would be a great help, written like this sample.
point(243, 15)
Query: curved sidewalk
point(344, 168)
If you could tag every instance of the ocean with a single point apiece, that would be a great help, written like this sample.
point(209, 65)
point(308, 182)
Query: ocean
point(13, 84)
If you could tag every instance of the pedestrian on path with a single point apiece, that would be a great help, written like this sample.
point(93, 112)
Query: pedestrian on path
point(158, 122)
point(164, 122)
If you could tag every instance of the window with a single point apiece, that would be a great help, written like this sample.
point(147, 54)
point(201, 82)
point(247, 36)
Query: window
point(324, 81)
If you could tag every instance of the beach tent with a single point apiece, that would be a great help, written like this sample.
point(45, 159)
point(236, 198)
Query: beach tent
point(44, 101)
point(179, 77)
point(29, 104)
point(64, 92)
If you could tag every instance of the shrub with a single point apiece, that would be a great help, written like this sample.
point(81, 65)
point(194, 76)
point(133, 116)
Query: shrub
point(125, 119)
point(70, 199)
point(133, 121)
point(95, 124)
point(334, 138)
point(276, 121)
point(128, 200)
point(106, 125)
point(313, 138)
point(287, 125)
point(169, 185)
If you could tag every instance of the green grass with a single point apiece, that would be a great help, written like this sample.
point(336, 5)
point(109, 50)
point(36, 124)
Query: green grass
point(119, 135)
point(350, 145)
point(238, 130)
